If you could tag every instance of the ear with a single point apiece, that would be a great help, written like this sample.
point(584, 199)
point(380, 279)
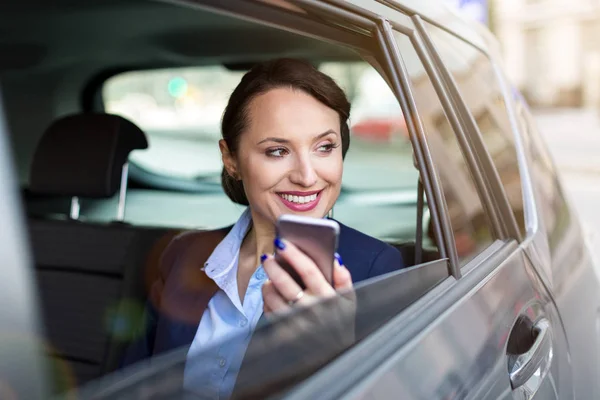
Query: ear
point(229, 161)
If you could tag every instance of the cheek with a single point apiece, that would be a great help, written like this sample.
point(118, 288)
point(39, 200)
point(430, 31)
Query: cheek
point(331, 170)
point(260, 176)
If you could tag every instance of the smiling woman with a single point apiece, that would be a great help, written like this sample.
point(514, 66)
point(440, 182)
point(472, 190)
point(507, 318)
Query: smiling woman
point(285, 135)
point(294, 113)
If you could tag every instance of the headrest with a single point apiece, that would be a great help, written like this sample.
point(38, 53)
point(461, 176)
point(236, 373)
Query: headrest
point(83, 155)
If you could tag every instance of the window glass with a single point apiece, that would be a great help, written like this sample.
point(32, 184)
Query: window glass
point(180, 110)
point(481, 92)
point(551, 200)
point(472, 231)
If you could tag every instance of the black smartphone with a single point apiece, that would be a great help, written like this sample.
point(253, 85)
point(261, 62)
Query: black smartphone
point(315, 237)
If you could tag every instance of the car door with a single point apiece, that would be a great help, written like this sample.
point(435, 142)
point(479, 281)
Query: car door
point(568, 260)
point(492, 329)
point(486, 101)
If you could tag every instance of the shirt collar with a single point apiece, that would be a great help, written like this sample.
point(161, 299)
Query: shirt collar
point(224, 256)
point(222, 264)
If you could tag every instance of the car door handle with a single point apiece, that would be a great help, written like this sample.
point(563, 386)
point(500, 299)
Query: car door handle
point(536, 360)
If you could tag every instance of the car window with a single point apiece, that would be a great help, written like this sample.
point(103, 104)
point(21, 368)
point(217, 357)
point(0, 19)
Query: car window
point(480, 89)
point(470, 225)
point(286, 349)
point(180, 110)
point(379, 195)
point(551, 199)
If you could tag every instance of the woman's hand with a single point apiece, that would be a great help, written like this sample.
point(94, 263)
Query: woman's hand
point(281, 292)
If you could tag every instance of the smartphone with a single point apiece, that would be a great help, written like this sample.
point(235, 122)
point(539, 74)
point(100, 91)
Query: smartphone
point(315, 237)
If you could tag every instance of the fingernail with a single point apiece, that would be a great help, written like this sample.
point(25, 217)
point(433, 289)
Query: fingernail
point(263, 258)
point(279, 243)
point(339, 259)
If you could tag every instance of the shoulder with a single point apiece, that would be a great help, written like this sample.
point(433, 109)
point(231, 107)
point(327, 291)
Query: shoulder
point(192, 244)
point(366, 256)
point(362, 243)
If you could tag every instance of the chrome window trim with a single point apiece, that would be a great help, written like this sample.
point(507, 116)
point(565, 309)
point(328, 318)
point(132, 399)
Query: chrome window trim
point(396, 5)
point(466, 135)
point(490, 177)
point(433, 189)
point(529, 199)
point(454, 120)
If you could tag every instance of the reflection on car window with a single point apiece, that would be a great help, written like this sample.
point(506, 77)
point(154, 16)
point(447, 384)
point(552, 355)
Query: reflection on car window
point(479, 87)
point(180, 110)
point(283, 351)
point(552, 203)
point(472, 231)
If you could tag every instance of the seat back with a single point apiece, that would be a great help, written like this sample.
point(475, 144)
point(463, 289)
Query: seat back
point(90, 276)
point(92, 281)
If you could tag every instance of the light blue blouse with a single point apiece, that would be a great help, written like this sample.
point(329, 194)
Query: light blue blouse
point(212, 365)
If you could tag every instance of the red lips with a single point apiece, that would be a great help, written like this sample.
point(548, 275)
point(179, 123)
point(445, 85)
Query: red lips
point(300, 207)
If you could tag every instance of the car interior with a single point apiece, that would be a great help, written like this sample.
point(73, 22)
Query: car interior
point(99, 211)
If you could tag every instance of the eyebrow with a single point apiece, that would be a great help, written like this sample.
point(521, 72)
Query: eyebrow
point(280, 140)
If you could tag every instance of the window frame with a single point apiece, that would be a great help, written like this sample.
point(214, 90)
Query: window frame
point(497, 189)
point(458, 130)
point(505, 220)
point(492, 195)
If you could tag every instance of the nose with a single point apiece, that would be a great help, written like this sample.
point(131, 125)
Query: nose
point(304, 173)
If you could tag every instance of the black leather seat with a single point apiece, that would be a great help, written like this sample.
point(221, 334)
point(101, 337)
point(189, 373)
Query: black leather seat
point(92, 277)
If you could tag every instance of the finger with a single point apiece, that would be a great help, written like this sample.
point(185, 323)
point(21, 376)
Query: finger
point(272, 299)
point(266, 309)
point(282, 282)
point(310, 274)
point(341, 277)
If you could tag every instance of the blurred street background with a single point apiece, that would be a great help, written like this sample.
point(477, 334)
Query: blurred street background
point(573, 136)
point(551, 51)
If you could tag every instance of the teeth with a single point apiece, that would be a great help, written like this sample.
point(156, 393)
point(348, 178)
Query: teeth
point(299, 199)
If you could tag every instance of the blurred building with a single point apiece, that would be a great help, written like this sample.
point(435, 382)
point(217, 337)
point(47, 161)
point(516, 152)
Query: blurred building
point(551, 49)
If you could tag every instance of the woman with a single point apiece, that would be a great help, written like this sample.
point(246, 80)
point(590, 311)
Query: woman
point(285, 134)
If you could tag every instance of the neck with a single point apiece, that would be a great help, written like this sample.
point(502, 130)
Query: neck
point(259, 239)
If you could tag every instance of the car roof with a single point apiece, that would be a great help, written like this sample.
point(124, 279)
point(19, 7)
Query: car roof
point(36, 36)
point(441, 13)
point(39, 36)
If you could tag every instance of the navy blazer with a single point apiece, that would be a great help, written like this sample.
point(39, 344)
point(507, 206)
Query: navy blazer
point(181, 294)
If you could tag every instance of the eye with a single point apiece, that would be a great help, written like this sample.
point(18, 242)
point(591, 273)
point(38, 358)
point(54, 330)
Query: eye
point(277, 152)
point(327, 148)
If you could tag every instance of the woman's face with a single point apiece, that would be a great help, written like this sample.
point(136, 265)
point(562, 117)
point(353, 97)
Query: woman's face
point(290, 156)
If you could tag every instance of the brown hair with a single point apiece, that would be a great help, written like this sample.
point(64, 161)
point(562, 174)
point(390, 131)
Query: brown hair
point(285, 72)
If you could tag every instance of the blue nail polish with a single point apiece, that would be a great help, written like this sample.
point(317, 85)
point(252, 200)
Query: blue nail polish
point(263, 258)
point(338, 258)
point(279, 244)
